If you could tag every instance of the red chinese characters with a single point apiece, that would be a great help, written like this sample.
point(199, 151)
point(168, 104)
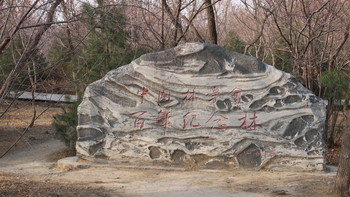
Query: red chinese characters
point(252, 125)
point(139, 121)
point(213, 94)
point(217, 118)
point(164, 96)
point(189, 120)
point(143, 93)
point(164, 117)
point(270, 153)
point(236, 94)
point(189, 95)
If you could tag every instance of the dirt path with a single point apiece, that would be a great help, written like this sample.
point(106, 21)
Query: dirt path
point(29, 173)
point(30, 170)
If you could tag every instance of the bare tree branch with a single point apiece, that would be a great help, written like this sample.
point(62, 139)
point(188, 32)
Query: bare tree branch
point(5, 25)
point(194, 15)
point(28, 52)
point(8, 39)
point(50, 23)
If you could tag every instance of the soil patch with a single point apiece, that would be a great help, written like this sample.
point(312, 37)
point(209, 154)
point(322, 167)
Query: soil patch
point(14, 186)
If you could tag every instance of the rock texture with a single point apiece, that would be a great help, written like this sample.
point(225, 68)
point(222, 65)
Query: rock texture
point(203, 105)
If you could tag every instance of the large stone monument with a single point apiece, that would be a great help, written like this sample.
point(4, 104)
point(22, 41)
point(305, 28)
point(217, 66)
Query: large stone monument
point(205, 106)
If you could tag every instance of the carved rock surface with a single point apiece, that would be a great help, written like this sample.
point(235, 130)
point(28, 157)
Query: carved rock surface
point(204, 105)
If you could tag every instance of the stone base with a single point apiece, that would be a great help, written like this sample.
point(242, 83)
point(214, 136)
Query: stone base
point(198, 162)
point(78, 163)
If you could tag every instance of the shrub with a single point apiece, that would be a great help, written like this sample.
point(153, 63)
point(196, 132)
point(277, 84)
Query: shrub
point(66, 123)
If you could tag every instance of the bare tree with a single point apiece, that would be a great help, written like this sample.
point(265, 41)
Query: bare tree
point(28, 51)
point(175, 19)
point(310, 37)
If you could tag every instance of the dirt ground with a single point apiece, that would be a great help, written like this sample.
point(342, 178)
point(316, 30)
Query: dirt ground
point(29, 169)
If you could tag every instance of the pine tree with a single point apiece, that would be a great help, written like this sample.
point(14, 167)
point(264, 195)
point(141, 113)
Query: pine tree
point(105, 49)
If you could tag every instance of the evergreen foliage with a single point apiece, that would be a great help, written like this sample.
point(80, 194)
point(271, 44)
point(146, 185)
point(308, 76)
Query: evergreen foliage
point(65, 124)
point(337, 85)
point(233, 43)
point(7, 63)
point(105, 49)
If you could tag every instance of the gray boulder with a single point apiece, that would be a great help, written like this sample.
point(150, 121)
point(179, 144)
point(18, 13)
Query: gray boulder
point(201, 105)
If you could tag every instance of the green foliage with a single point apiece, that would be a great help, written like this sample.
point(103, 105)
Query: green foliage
point(105, 49)
point(7, 63)
point(61, 61)
point(65, 124)
point(283, 59)
point(106, 44)
point(337, 84)
point(234, 43)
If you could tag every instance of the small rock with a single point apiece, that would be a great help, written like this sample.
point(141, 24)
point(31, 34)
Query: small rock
point(279, 192)
point(32, 138)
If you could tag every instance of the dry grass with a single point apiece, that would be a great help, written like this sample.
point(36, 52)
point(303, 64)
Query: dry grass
point(21, 114)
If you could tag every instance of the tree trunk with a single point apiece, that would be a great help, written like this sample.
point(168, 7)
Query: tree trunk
point(342, 180)
point(174, 20)
point(213, 36)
